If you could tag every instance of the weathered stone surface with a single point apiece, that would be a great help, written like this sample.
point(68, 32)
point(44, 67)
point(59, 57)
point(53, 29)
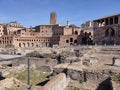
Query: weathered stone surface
point(74, 75)
point(45, 68)
point(117, 62)
point(59, 82)
point(94, 60)
point(8, 83)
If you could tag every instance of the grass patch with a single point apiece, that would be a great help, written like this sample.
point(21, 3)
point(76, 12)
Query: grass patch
point(81, 81)
point(116, 78)
point(72, 88)
point(64, 53)
point(36, 76)
point(75, 88)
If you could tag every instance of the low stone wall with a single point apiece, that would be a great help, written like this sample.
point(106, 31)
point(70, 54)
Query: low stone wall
point(38, 62)
point(59, 82)
point(93, 76)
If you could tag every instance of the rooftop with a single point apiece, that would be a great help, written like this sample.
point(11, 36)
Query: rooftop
point(107, 16)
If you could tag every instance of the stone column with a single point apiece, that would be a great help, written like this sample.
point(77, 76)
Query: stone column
point(108, 21)
point(113, 20)
point(118, 19)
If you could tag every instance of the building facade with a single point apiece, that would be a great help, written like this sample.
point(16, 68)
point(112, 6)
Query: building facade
point(107, 30)
point(14, 34)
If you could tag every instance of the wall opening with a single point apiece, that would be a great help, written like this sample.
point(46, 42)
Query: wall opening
point(105, 85)
point(19, 44)
point(75, 41)
point(67, 41)
point(106, 33)
point(112, 32)
point(24, 44)
point(106, 21)
point(111, 21)
point(84, 40)
point(116, 20)
point(32, 44)
point(28, 44)
point(71, 39)
point(76, 33)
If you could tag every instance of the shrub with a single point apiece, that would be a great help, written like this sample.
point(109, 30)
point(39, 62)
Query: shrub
point(81, 81)
point(75, 88)
point(116, 78)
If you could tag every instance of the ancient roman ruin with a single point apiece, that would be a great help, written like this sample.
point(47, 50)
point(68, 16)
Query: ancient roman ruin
point(62, 57)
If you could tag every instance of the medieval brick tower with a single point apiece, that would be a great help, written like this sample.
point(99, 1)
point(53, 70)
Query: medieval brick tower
point(53, 18)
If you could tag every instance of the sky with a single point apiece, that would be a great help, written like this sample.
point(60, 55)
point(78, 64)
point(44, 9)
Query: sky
point(37, 12)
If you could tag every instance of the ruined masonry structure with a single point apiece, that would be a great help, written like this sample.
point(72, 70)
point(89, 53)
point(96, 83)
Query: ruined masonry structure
point(15, 35)
point(53, 18)
point(107, 30)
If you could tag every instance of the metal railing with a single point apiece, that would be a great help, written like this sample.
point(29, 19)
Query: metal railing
point(28, 69)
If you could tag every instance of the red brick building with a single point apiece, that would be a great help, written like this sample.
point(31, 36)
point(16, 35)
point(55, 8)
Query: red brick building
point(107, 30)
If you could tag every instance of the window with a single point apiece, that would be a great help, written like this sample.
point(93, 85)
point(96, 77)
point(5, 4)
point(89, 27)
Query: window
point(19, 44)
point(71, 39)
point(75, 41)
point(106, 21)
point(67, 41)
point(116, 20)
point(76, 33)
point(111, 21)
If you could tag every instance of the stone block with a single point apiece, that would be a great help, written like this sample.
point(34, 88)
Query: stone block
point(117, 62)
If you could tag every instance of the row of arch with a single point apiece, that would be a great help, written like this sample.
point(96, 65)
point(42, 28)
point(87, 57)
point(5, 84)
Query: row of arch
point(108, 21)
point(71, 41)
point(35, 44)
point(110, 36)
point(109, 32)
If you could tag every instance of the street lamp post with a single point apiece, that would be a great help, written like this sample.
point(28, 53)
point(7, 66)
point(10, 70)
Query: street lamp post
point(28, 63)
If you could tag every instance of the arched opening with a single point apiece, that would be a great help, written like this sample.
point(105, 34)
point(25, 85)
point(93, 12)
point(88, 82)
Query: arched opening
point(50, 44)
point(32, 44)
point(106, 21)
point(118, 33)
point(116, 20)
point(67, 41)
point(76, 32)
point(109, 32)
point(19, 44)
point(109, 36)
point(111, 21)
point(28, 44)
point(84, 40)
point(46, 44)
point(24, 44)
point(75, 41)
point(112, 32)
point(106, 33)
point(85, 33)
point(71, 39)
point(105, 85)
point(89, 33)
point(36, 45)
